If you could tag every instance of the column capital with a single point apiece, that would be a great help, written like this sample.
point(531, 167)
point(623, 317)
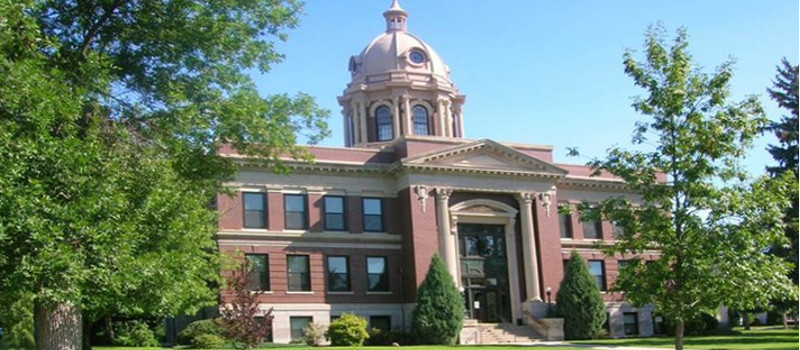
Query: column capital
point(443, 193)
point(525, 197)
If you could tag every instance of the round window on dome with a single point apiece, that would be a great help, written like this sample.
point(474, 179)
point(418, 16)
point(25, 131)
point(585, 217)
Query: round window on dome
point(416, 57)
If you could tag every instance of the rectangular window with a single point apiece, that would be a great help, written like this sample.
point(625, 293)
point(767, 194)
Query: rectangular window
point(373, 214)
point(334, 213)
point(299, 276)
point(338, 274)
point(259, 271)
point(598, 271)
point(592, 229)
point(253, 204)
point(298, 326)
point(383, 323)
point(377, 274)
point(631, 323)
point(621, 264)
point(617, 230)
point(565, 224)
point(607, 323)
point(294, 211)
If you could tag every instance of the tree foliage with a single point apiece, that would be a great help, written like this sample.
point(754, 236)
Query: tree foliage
point(112, 113)
point(242, 320)
point(784, 92)
point(348, 330)
point(439, 312)
point(697, 209)
point(579, 301)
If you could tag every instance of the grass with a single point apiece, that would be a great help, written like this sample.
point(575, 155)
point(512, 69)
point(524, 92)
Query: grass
point(763, 338)
point(756, 339)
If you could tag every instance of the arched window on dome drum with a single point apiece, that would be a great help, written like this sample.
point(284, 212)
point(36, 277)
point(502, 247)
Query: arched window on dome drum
point(383, 121)
point(351, 130)
point(420, 116)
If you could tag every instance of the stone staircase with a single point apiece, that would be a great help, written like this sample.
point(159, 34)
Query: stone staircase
point(506, 333)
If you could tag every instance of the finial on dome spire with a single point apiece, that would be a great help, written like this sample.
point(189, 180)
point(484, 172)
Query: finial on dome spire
point(396, 17)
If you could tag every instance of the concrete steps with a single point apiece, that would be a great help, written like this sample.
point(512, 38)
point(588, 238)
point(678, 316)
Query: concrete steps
point(506, 333)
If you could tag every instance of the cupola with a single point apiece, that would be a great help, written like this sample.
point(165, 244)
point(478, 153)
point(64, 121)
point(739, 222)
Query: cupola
point(399, 86)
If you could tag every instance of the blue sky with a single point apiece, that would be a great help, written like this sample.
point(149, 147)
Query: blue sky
point(543, 72)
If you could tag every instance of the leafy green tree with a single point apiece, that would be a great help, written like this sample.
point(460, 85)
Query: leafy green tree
point(579, 301)
point(112, 117)
point(439, 312)
point(697, 209)
point(784, 92)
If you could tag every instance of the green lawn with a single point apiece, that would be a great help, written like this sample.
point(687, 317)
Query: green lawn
point(763, 338)
point(771, 339)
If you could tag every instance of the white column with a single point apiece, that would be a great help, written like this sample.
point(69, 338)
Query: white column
point(407, 116)
point(396, 118)
point(447, 246)
point(448, 119)
point(356, 123)
point(441, 128)
point(363, 125)
point(530, 259)
point(513, 280)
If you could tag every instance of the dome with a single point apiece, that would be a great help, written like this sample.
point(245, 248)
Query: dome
point(398, 50)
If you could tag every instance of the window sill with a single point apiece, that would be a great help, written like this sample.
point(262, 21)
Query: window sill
point(252, 229)
point(340, 293)
point(300, 292)
point(260, 292)
point(379, 293)
point(295, 231)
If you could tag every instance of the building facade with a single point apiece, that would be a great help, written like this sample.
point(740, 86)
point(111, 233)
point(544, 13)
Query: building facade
point(355, 230)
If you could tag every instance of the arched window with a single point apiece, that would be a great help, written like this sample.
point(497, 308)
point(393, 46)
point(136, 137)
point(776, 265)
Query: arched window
point(383, 121)
point(420, 117)
point(351, 130)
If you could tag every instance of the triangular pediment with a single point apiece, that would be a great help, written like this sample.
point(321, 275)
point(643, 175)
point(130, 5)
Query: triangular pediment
point(483, 156)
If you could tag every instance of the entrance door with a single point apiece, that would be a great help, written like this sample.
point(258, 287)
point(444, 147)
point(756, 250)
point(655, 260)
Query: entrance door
point(484, 272)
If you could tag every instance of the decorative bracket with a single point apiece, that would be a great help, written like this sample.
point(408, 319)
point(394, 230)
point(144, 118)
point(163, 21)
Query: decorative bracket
point(453, 224)
point(422, 195)
point(546, 198)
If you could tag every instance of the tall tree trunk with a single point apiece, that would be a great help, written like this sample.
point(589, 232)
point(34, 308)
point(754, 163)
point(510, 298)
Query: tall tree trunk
point(746, 321)
point(58, 327)
point(679, 335)
point(86, 343)
point(109, 330)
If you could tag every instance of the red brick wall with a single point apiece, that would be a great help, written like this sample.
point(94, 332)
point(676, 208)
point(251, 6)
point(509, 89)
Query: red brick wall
point(354, 219)
point(275, 208)
point(230, 211)
point(549, 246)
point(316, 213)
point(358, 275)
point(424, 236)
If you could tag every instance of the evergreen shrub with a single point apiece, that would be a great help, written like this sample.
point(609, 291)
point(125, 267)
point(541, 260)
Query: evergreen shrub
point(579, 302)
point(348, 330)
point(439, 311)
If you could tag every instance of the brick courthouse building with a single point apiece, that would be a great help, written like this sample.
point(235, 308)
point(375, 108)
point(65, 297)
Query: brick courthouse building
point(355, 230)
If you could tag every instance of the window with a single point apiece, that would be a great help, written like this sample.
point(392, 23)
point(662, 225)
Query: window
point(259, 271)
point(338, 274)
point(617, 230)
point(373, 214)
point(351, 130)
point(383, 122)
point(598, 271)
point(260, 319)
point(377, 274)
point(607, 323)
point(591, 229)
point(565, 224)
point(621, 264)
point(298, 325)
point(383, 323)
point(420, 116)
point(334, 213)
point(631, 320)
point(294, 211)
point(299, 276)
point(254, 210)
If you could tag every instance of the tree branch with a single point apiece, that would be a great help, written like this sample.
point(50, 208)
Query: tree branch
point(95, 28)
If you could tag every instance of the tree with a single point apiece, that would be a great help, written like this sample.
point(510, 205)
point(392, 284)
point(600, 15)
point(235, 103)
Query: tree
point(579, 301)
point(439, 312)
point(242, 320)
point(784, 92)
point(112, 113)
point(710, 225)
